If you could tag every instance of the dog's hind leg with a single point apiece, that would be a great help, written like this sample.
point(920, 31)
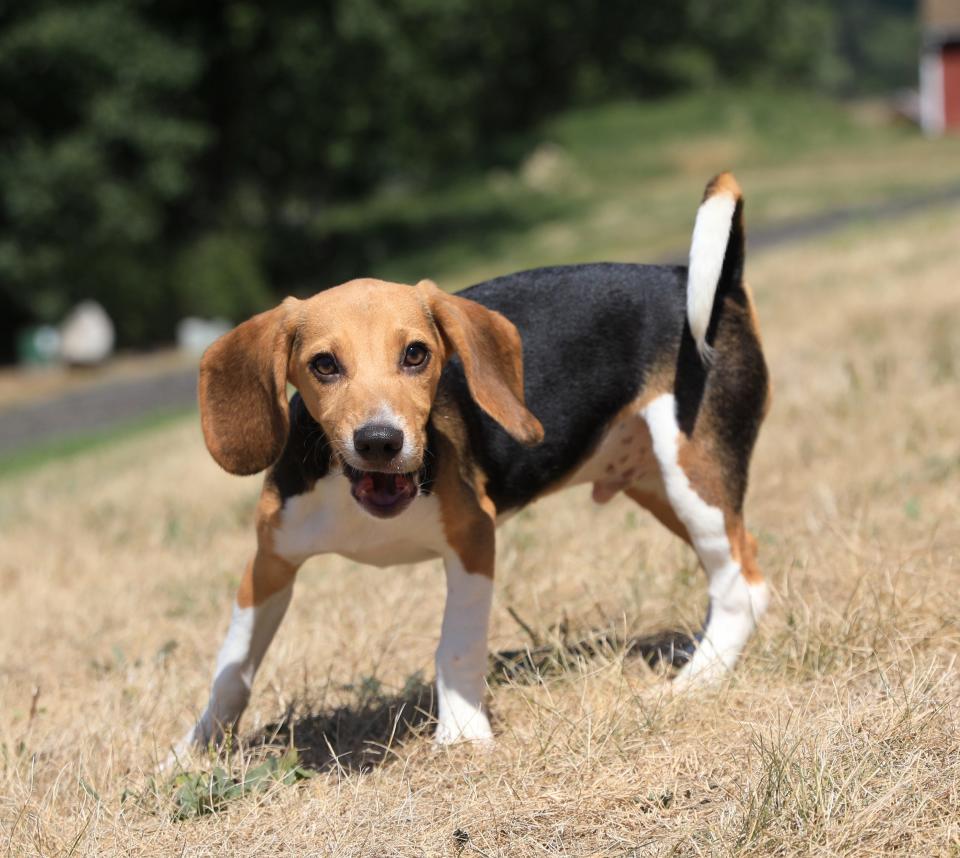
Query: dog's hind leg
point(713, 525)
point(262, 600)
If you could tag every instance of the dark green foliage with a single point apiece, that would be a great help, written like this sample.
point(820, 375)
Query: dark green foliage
point(177, 157)
point(220, 275)
point(877, 41)
point(97, 154)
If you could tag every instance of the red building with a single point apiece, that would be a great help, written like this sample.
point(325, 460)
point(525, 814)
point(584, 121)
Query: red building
point(940, 67)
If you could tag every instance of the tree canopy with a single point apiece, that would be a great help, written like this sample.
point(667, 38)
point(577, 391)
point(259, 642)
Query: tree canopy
point(165, 157)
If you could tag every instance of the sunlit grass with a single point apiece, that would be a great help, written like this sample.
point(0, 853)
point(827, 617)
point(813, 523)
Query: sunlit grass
point(838, 735)
point(621, 181)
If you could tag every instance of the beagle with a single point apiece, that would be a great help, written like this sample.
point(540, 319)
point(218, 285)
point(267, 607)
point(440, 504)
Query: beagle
point(422, 419)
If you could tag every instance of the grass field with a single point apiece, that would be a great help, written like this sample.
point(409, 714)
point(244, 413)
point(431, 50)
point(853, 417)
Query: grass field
point(838, 735)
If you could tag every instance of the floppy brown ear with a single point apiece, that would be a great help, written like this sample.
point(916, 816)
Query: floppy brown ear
point(492, 356)
point(243, 391)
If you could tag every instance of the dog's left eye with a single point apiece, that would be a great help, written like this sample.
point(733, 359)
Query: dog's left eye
point(325, 364)
point(415, 355)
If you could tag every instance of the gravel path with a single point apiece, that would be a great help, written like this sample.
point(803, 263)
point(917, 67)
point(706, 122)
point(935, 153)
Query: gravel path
point(94, 408)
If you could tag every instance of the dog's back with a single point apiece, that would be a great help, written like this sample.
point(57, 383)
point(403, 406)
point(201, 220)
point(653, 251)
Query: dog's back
point(600, 336)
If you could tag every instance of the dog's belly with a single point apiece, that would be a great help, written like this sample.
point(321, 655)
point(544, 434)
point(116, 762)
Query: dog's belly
point(623, 459)
point(327, 520)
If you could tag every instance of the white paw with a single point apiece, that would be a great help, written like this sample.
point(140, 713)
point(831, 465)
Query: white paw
point(180, 753)
point(196, 740)
point(474, 728)
point(700, 673)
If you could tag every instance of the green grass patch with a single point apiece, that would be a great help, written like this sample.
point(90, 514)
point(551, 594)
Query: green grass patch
point(622, 181)
point(196, 794)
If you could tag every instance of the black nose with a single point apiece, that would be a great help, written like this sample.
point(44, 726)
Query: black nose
point(377, 443)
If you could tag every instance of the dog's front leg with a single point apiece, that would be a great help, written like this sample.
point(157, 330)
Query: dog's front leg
point(462, 655)
point(262, 600)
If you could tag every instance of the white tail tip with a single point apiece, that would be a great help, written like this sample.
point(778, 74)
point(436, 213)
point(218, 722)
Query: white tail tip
point(708, 247)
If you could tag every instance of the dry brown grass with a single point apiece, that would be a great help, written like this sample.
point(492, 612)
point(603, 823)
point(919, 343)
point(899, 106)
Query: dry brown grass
point(840, 734)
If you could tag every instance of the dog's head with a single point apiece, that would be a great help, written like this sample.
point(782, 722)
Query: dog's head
point(366, 358)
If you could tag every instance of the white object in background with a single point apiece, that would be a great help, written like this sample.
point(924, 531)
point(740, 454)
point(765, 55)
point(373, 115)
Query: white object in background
point(932, 113)
point(86, 335)
point(194, 335)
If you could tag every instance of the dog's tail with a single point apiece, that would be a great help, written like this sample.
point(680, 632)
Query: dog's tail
point(716, 256)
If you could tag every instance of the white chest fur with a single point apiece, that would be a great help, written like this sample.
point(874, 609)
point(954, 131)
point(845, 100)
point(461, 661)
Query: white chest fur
point(328, 520)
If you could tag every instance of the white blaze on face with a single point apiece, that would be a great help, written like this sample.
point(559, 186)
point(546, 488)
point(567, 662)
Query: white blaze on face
point(386, 415)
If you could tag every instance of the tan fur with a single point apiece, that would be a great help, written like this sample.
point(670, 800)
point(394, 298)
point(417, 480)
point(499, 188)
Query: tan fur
point(242, 391)
point(266, 573)
point(724, 183)
point(634, 452)
point(366, 325)
point(743, 547)
point(466, 513)
point(706, 477)
point(702, 469)
point(639, 463)
point(754, 320)
point(658, 505)
point(492, 355)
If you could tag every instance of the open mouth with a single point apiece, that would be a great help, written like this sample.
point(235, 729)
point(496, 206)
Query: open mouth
point(381, 494)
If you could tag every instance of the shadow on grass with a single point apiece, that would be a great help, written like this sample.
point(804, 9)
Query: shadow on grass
point(355, 737)
point(360, 736)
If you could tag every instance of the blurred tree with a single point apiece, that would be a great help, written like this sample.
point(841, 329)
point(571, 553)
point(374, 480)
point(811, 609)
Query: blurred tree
point(877, 43)
point(219, 276)
point(97, 148)
point(143, 139)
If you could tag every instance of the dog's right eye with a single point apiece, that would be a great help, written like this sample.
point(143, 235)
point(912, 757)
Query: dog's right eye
point(325, 365)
